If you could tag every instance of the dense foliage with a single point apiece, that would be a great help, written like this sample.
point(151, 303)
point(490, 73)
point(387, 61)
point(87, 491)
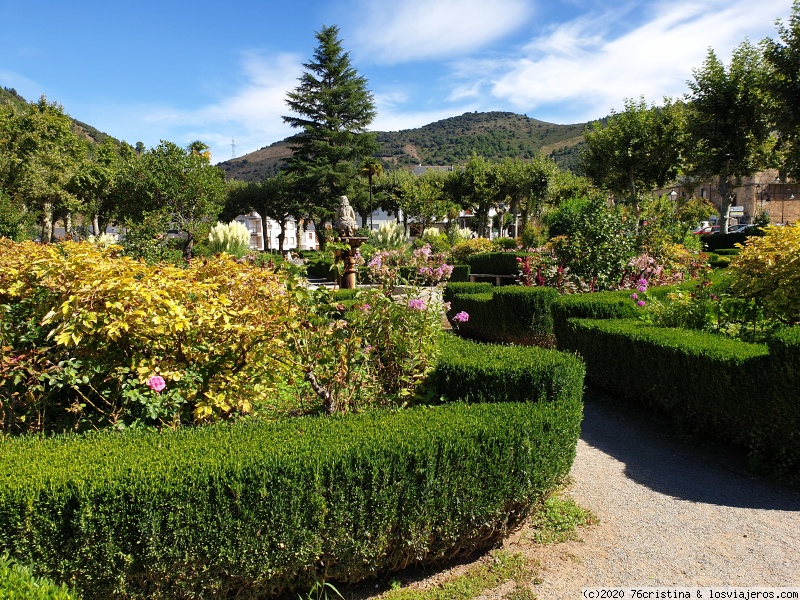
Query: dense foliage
point(85, 331)
point(767, 271)
point(255, 508)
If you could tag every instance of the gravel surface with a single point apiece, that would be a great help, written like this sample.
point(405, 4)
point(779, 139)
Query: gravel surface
point(672, 513)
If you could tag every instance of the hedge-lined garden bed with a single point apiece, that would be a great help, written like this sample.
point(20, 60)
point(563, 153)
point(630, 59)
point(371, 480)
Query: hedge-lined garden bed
point(747, 394)
point(743, 393)
point(256, 508)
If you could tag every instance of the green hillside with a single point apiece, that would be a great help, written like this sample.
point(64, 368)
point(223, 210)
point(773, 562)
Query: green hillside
point(84, 131)
point(493, 135)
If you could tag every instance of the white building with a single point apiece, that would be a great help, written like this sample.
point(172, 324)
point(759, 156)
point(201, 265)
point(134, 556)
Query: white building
point(295, 237)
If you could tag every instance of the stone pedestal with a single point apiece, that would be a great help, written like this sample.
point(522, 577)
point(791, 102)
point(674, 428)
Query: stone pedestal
point(349, 275)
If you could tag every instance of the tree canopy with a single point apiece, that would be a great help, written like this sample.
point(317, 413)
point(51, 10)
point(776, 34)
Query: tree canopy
point(333, 108)
point(636, 151)
point(728, 125)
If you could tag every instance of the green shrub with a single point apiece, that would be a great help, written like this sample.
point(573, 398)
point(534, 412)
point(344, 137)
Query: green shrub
point(495, 263)
point(510, 314)
point(17, 583)
point(727, 252)
point(319, 265)
point(455, 288)
point(460, 273)
point(480, 372)
point(462, 250)
point(252, 508)
point(506, 243)
point(705, 382)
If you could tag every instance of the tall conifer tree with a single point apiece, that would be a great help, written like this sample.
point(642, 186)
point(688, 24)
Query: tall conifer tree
point(333, 107)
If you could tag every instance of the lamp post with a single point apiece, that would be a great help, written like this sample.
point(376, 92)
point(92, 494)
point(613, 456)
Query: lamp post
point(783, 197)
point(673, 195)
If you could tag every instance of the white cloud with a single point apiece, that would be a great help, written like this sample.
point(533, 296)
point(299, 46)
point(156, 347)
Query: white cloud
point(591, 64)
point(423, 29)
point(250, 115)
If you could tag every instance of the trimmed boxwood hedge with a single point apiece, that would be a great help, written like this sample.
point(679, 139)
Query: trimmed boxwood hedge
point(479, 372)
point(736, 391)
point(508, 314)
point(465, 287)
point(495, 263)
point(254, 508)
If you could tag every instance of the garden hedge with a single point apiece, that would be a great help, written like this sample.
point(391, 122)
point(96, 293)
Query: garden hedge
point(508, 314)
point(254, 508)
point(455, 288)
point(477, 372)
point(495, 263)
point(736, 391)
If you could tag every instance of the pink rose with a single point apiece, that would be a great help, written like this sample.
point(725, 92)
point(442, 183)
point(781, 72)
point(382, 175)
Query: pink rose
point(156, 383)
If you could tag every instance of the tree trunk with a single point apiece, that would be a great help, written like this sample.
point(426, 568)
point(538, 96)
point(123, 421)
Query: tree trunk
point(47, 222)
point(96, 225)
point(187, 247)
point(282, 236)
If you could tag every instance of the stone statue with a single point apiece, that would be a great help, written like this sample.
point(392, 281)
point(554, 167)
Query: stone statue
point(345, 222)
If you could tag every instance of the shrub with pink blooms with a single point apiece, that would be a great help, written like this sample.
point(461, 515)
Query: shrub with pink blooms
point(378, 350)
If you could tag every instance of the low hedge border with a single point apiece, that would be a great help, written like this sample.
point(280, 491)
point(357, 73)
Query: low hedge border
point(508, 314)
point(254, 508)
point(495, 263)
point(738, 392)
point(477, 372)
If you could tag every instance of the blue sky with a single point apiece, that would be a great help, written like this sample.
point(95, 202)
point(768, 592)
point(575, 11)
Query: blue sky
point(178, 71)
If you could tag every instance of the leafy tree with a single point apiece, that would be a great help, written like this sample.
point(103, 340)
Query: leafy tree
point(783, 56)
point(424, 199)
point(333, 108)
point(94, 184)
point(525, 185)
point(39, 153)
point(638, 150)
point(477, 188)
point(275, 198)
point(728, 127)
point(183, 188)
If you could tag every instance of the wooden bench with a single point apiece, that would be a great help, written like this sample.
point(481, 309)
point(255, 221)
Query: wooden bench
point(496, 279)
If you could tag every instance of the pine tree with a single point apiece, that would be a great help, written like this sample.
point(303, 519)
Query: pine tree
point(333, 107)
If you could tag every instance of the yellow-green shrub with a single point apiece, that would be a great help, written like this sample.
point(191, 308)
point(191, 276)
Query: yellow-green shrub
point(462, 250)
point(83, 329)
point(768, 270)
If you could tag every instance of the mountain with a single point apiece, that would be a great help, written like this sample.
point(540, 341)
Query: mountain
point(493, 135)
point(82, 130)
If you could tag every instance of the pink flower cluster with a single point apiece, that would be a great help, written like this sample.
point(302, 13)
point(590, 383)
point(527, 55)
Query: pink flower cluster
point(440, 273)
point(461, 317)
point(641, 287)
point(416, 304)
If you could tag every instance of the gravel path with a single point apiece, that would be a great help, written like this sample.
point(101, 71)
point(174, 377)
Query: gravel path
point(671, 513)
